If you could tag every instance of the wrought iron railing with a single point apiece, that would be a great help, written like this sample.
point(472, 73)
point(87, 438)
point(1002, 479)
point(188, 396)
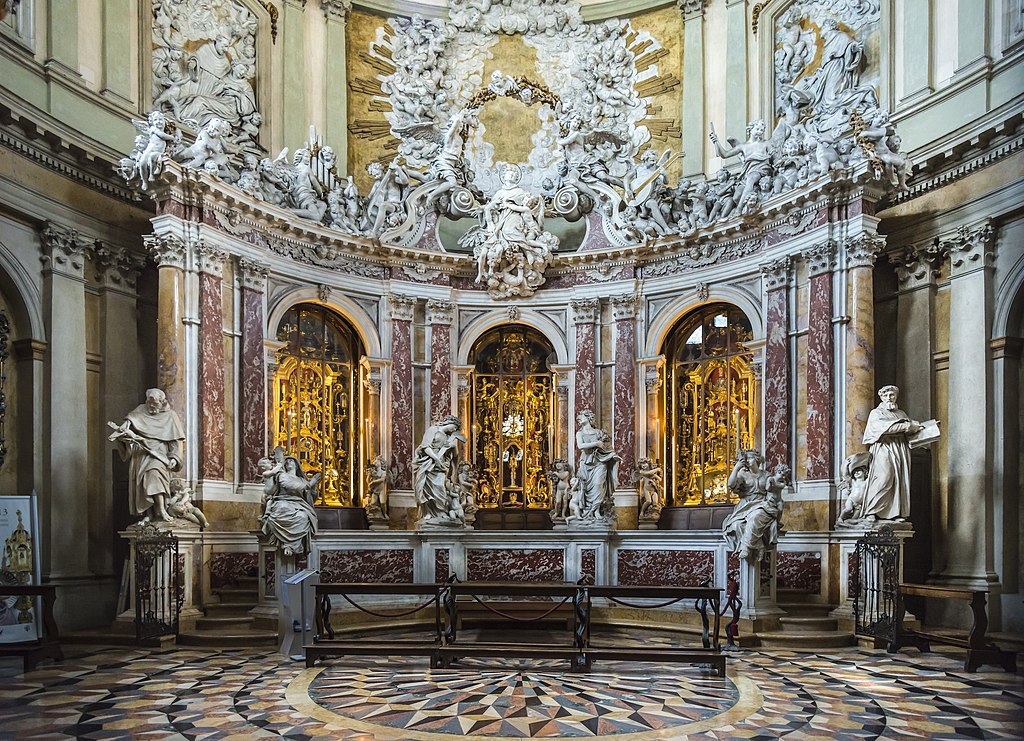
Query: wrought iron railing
point(159, 584)
point(876, 584)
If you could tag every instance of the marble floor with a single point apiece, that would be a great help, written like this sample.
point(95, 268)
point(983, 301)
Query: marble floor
point(181, 693)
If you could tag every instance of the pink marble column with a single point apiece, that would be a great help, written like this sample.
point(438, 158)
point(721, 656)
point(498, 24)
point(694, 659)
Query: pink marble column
point(170, 253)
point(860, 337)
point(820, 362)
point(439, 317)
point(253, 383)
point(777, 401)
point(624, 389)
point(402, 308)
point(211, 363)
point(585, 313)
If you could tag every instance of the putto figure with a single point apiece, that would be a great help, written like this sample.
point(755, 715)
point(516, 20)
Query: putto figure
point(150, 439)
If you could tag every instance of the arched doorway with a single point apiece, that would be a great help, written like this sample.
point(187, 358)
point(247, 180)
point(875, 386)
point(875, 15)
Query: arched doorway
point(709, 403)
point(512, 428)
point(317, 400)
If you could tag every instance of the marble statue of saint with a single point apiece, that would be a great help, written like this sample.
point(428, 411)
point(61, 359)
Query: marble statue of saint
point(597, 471)
point(151, 440)
point(435, 474)
point(289, 519)
point(752, 528)
point(887, 492)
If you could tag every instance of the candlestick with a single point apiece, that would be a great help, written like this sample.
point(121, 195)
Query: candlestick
point(737, 413)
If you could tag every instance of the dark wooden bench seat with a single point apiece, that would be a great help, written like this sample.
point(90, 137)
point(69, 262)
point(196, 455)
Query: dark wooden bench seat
point(980, 650)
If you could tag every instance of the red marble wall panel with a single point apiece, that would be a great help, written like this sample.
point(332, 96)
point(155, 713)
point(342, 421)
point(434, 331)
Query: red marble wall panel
point(385, 566)
point(819, 379)
point(253, 387)
point(776, 380)
point(515, 564)
point(624, 395)
point(226, 569)
point(211, 379)
point(401, 402)
point(852, 567)
point(588, 564)
point(586, 367)
point(666, 568)
point(441, 371)
point(799, 571)
point(269, 573)
point(442, 565)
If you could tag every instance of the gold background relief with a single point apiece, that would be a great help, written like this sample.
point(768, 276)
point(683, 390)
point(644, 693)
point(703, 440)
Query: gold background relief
point(509, 123)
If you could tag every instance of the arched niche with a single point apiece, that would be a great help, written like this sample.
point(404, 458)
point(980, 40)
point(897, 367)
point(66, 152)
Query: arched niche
point(348, 309)
point(554, 334)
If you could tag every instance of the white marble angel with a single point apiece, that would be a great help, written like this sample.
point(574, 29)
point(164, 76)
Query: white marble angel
point(159, 135)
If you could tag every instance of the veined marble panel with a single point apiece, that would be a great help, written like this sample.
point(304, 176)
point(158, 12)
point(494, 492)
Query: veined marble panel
point(383, 565)
point(515, 564)
point(678, 568)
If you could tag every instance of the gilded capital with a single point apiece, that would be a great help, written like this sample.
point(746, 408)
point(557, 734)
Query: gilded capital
point(821, 258)
point(863, 250)
point(969, 248)
point(167, 250)
point(253, 275)
point(401, 307)
point(440, 311)
point(585, 310)
point(775, 274)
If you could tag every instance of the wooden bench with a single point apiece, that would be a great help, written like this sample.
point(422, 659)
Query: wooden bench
point(513, 611)
point(979, 650)
point(46, 647)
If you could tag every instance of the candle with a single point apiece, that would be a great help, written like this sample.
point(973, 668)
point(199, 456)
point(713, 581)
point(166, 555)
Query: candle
point(737, 413)
point(288, 443)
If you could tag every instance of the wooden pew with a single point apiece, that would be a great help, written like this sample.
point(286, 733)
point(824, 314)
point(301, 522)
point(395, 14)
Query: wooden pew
point(979, 650)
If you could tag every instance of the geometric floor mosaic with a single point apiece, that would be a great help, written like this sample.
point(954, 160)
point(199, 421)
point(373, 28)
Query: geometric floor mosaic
point(182, 693)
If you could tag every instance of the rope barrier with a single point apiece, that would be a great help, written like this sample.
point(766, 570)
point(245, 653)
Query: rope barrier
point(641, 607)
point(384, 614)
point(513, 617)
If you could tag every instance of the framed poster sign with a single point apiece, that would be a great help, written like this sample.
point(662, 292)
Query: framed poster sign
point(19, 565)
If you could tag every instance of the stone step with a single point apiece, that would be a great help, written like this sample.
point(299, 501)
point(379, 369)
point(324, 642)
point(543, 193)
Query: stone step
point(806, 641)
point(223, 621)
point(804, 609)
point(228, 638)
point(804, 623)
point(238, 594)
point(225, 609)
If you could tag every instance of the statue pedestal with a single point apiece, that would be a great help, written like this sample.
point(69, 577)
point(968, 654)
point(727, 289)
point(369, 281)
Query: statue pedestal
point(846, 541)
point(265, 614)
point(757, 591)
point(577, 524)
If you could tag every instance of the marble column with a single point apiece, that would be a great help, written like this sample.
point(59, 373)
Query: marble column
point(464, 401)
point(860, 337)
point(293, 33)
point(820, 362)
point(653, 374)
point(372, 385)
point(252, 386)
point(969, 525)
point(439, 316)
point(211, 363)
point(917, 48)
point(170, 253)
point(737, 29)
point(402, 308)
point(585, 314)
point(336, 14)
point(624, 309)
point(62, 36)
point(117, 272)
point(65, 500)
point(777, 397)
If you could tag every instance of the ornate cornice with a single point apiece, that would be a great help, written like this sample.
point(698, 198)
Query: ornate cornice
point(863, 250)
point(691, 8)
point(440, 311)
point(167, 250)
point(821, 258)
point(585, 310)
point(775, 274)
point(625, 307)
point(253, 275)
point(64, 251)
point(401, 307)
point(211, 259)
point(970, 248)
point(116, 267)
